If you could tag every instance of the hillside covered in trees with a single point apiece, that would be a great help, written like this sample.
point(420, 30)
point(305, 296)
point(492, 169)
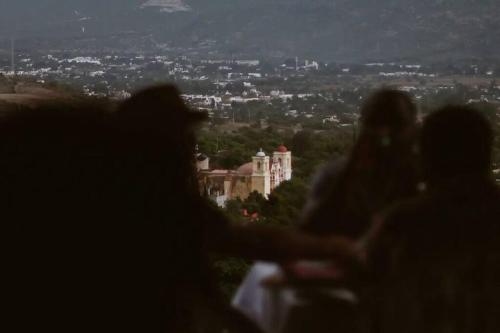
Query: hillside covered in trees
point(330, 30)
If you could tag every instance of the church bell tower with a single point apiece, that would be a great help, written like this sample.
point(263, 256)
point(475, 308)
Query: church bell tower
point(261, 176)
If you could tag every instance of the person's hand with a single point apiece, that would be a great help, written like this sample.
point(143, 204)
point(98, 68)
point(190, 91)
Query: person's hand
point(340, 249)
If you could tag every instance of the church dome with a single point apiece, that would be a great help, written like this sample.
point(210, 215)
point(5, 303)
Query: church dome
point(282, 149)
point(261, 153)
point(245, 169)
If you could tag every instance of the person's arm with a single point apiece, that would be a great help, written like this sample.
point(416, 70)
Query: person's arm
point(381, 242)
point(317, 207)
point(284, 244)
point(260, 242)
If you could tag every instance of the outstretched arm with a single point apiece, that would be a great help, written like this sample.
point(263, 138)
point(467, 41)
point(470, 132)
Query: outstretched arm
point(284, 244)
point(279, 244)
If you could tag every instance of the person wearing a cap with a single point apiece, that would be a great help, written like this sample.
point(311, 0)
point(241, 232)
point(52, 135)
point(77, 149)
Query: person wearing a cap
point(197, 227)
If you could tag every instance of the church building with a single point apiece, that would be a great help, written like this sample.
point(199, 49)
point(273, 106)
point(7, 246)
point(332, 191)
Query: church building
point(263, 174)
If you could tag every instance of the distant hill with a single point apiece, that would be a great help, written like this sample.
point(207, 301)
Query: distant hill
point(25, 92)
point(338, 30)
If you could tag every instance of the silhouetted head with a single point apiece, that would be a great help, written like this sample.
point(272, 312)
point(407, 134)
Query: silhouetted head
point(388, 120)
point(456, 141)
point(160, 112)
point(160, 116)
point(388, 116)
point(160, 108)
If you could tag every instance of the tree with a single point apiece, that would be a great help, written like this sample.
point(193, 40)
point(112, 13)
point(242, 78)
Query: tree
point(285, 203)
point(302, 142)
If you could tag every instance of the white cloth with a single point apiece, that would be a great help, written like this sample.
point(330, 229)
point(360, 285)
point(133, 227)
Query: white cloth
point(265, 306)
point(269, 307)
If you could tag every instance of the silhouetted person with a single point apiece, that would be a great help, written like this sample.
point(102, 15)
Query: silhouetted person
point(380, 170)
point(190, 298)
point(214, 232)
point(435, 260)
point(346, 195)
point(106, 230)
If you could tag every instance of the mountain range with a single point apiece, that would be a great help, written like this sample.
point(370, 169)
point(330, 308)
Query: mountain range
point(330, 30)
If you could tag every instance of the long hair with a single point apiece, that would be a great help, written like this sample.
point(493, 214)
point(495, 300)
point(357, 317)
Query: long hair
point(380, 169)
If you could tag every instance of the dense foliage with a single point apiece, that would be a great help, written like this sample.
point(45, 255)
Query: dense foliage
point(230, 149)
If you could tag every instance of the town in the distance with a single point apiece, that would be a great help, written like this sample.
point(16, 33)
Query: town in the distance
point(303, 107)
